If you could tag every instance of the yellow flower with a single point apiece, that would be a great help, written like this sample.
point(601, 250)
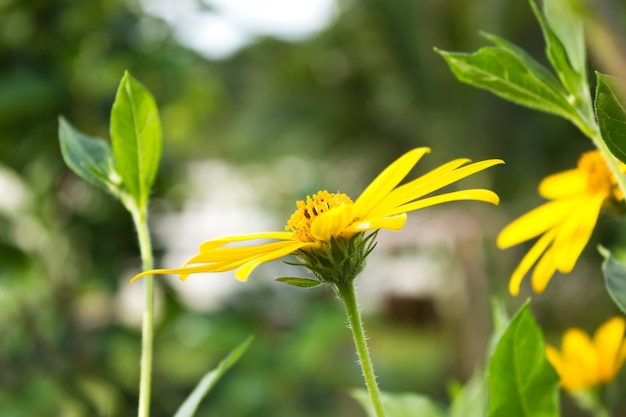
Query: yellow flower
point(327, 217)
point(584, 363)
point(565, 222)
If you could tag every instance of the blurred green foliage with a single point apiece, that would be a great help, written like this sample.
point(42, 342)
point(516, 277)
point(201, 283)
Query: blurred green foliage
point(368, 87)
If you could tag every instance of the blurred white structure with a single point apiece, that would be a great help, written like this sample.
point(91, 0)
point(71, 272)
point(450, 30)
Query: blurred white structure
point(218, 28)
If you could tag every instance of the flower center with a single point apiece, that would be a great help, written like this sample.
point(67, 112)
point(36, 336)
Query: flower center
point(300, 221)
point(599, 178)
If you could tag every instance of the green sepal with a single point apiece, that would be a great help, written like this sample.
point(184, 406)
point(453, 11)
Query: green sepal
point(521, 380)
point(340, 260)
point(188, 408)
point(614, 277)
point(136, 138)
point(400, 404)
point(89, 157)
point(611, 114)
point(299, 282)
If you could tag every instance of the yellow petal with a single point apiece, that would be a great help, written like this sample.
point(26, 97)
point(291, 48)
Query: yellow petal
point(581, 356)
point(563, 184)
point(528, 261)
point(222, 259)
point(554, 357)
point(578, 346)
point(621, 357)
point(332, 222)
point(231, 254)
point(391, 223)
point(242, 273)
point(576, 231)
point(608, 341)
point(387, 181)
point(544, 270)
point(535, 222)
point(476, 195)
point(570, 378)
point(174, 271)
point(427, 184)
point(410, 191)
point(215, 243)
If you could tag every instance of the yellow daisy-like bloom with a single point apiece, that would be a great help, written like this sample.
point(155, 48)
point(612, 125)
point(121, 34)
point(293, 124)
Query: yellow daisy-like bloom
point(565, 222)
point(584, 363)
point(326, 217)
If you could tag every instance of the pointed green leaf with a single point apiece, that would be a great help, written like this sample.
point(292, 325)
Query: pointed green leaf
point(566, 21)
point(614, 277)
point(299, 282)
point(611, 114)
point(89, 157)
point(400, 405)
point(188, 408)
point(510, 73)
point(565, 50)
point(136, 138)
point(522, 382)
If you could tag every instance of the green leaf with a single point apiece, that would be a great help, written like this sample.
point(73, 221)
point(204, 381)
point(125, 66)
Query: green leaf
point(522, 383)
point(510, 73)
point(614, 277)
point(566, 21)
point(299, 282)
point(471, 400)
point(136, 138)
point(188, 408)
point(611, 114)
point(89, 157)
point(400, 405)
point(565, 50)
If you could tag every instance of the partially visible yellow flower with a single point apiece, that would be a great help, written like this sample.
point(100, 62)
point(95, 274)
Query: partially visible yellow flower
point(565, 222)
point(584, 363)
point(327, 217)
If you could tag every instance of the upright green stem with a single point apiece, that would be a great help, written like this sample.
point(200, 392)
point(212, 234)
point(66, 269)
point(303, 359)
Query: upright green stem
point(147, 334)
point(347, 295)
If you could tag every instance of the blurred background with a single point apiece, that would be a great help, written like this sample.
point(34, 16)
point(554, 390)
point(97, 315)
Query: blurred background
point(262, 103)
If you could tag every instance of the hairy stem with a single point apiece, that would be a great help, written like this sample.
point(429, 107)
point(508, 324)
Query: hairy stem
point(346, 293)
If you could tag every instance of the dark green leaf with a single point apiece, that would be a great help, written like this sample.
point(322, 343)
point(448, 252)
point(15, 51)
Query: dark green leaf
point(611, 114)
point(615, 278)
point(299, 282)
point(400, 405)
point(188, 408)
point(89, 157)
point(510, 73)
point(522, 383)
point(136, 138)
